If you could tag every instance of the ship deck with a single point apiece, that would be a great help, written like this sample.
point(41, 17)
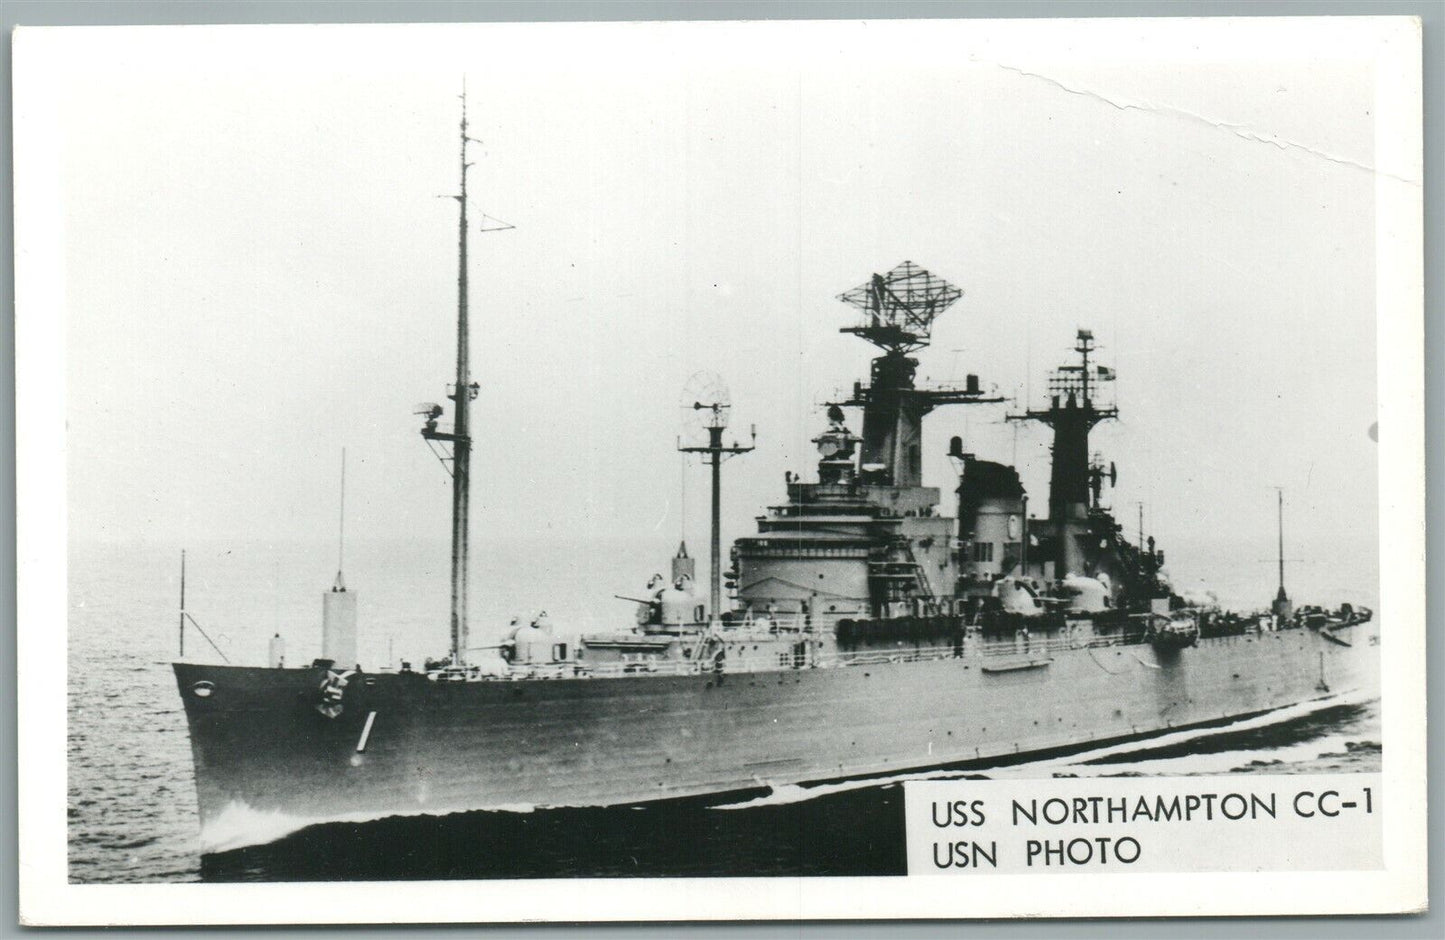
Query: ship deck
point(1021, 651)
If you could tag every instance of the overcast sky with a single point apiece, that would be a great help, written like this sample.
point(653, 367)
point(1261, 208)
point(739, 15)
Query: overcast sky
point(259, 271)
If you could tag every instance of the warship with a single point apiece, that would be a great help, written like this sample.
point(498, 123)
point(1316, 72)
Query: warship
point(872, 626)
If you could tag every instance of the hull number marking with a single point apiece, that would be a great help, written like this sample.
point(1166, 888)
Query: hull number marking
point(365, 732)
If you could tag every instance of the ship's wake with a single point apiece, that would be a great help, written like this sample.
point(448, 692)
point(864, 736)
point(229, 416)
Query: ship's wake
point(1175, 754)
point(1239, 747)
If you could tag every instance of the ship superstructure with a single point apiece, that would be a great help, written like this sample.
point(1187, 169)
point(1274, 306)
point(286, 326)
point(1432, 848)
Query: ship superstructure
point(869, 547)
point(867, 540)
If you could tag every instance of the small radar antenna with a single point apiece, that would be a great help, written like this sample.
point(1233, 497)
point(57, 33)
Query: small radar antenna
point(705, 403)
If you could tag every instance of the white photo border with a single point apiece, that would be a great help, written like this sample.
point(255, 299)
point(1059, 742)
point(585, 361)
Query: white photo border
point(1391, 44)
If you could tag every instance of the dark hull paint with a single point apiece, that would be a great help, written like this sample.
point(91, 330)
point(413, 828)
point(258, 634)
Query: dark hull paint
point(259, 742)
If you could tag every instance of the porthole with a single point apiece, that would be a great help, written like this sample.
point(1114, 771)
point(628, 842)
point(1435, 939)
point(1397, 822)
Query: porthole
point(203, 689)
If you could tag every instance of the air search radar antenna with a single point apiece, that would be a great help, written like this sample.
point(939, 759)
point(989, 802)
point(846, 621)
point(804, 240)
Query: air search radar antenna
point(899, 307)
point(707, 406)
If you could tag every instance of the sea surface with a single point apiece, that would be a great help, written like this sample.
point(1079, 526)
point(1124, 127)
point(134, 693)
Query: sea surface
point(132, 806)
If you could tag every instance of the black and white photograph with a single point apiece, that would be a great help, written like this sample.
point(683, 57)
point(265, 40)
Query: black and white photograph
point(560, 460)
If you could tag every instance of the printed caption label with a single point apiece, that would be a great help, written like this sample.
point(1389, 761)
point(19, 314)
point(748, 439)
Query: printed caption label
point(1258, 822)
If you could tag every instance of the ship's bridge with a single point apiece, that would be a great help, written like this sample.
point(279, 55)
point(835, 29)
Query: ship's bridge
point(846, 549)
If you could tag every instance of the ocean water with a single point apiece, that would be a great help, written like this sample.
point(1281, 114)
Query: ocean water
point(132, 810)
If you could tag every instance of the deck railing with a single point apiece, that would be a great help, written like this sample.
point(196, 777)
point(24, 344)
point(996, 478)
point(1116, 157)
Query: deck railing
point(968, 647)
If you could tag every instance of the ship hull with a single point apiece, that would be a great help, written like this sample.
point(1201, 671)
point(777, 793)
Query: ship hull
point(405, 744)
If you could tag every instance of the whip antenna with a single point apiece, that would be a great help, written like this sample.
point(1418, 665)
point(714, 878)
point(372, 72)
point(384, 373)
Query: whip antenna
point(1282, 608)
point(341, 528)
point(183, 604)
